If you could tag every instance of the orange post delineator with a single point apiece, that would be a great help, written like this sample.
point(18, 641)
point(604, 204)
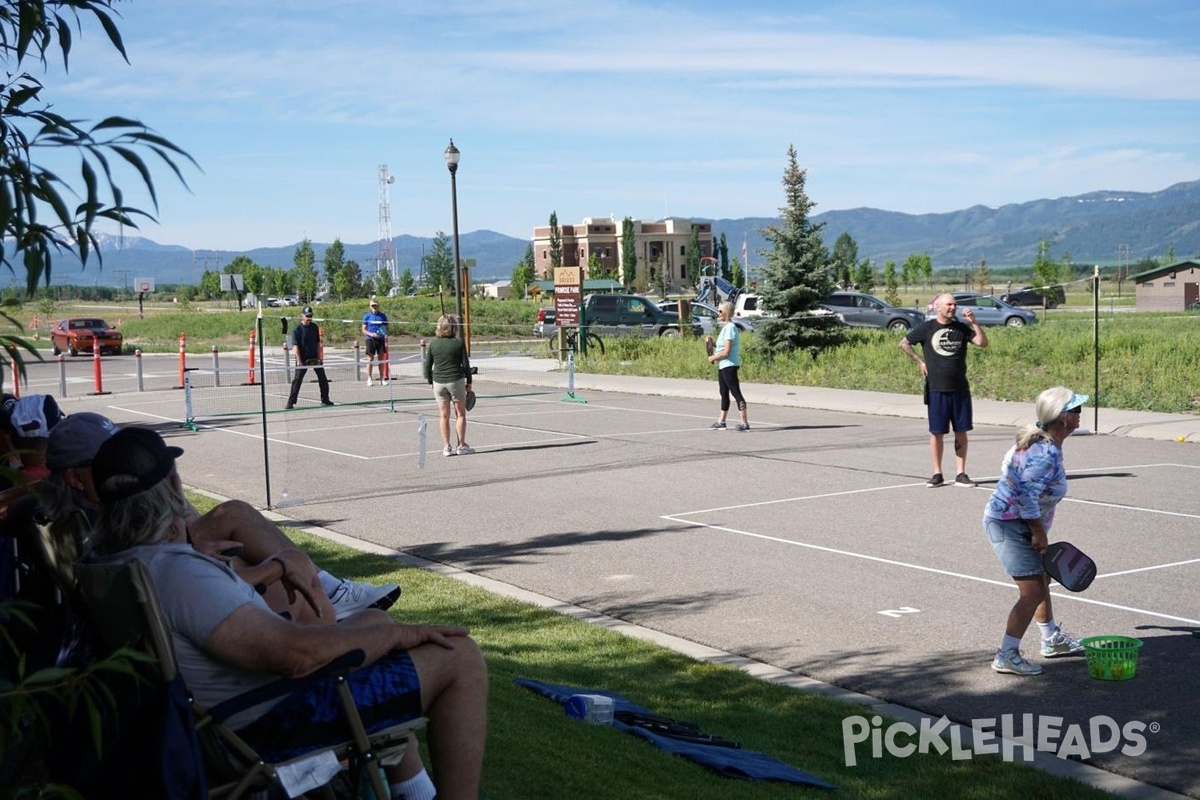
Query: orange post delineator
point(385, 361)
point(16, 373)
point(96, 373)
point(182, 358)
point(253, 337)
point(320, 346)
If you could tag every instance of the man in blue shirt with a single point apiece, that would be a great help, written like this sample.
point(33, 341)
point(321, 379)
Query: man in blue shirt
point(375, 330)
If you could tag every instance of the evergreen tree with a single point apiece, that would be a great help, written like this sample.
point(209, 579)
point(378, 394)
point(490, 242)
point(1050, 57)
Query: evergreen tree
point(407, 282)
point(304, 271)
point(555, 244)
point(864, 276)
point(628, 253)
point(383, 284)
point(439, 264)
point(845, 258)
point(796, 277)
point(335, 259)
point(523, 274)
point(892, 285)
point(722, 256)
point(347, 282)
point(736, 276)
point(692, 259)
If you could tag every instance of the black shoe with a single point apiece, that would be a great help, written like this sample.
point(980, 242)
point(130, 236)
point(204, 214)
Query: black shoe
point(963, 480)
point(936, 481)
point(326, 402)
point(289, 406)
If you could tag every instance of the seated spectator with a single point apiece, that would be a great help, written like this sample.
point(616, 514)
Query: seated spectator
point(69, 499)
point(228, 641)
point(25, 425)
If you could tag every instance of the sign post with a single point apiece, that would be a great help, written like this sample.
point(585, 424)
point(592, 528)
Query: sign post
point(568, 302)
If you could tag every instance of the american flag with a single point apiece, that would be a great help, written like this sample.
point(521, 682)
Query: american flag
point(743, 252)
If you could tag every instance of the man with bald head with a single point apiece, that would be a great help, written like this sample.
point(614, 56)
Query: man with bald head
point(943, 364)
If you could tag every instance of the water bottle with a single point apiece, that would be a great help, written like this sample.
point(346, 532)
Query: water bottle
point(594, 709)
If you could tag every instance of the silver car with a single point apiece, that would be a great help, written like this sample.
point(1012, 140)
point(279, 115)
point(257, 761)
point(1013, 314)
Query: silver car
point(988, 310)
point(860, 310)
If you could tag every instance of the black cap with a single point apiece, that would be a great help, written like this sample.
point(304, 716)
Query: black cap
point(130, 461)
point(307, 311)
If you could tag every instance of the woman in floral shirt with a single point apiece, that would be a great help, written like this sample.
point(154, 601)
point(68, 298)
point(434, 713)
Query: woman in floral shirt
point(1017, 523)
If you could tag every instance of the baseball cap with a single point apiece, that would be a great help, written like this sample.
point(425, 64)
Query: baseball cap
point(1073, 402)
point(307, 311)
point(130, 461)
point(33, 416)
point(375, 303)
point(75, 440)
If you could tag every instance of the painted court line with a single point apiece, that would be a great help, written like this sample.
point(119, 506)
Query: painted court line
point(933, 570)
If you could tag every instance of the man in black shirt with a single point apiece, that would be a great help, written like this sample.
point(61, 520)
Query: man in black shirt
point(306, 338)
point(943, 343)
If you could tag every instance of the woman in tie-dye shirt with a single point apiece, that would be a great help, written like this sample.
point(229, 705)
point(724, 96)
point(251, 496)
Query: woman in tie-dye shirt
point(1017, 523)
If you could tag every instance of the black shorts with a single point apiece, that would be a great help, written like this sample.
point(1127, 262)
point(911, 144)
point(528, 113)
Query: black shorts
point(376, 347)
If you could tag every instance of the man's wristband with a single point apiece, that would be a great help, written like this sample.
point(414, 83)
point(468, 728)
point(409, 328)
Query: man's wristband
point(282, 566)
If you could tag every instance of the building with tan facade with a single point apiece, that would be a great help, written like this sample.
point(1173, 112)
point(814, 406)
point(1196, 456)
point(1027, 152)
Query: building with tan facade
point(1172, 288)
point(658, 245)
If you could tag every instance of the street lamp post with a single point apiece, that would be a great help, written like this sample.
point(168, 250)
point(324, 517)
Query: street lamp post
point(452, 155)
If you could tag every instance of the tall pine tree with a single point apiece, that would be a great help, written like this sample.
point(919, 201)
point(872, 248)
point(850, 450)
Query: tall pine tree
point(796, 277)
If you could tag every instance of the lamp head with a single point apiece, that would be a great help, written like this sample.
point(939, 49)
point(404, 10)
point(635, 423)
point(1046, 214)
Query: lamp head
point(452, 155)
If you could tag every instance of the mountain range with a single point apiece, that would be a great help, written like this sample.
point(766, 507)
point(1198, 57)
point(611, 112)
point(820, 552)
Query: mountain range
point(1105, 227)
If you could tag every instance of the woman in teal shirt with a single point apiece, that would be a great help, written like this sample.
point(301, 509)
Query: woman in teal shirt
point(727, 355)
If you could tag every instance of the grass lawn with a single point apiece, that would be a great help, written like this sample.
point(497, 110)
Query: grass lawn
point(535, 751)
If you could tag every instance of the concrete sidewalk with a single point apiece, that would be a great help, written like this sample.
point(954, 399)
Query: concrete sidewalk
point(1113, 421)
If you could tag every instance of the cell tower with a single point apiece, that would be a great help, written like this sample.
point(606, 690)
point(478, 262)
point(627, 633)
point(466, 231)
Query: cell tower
point(385, 256)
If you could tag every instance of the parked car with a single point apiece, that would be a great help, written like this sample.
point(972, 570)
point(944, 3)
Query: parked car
point(1029, 296)
point(623, 314)
point(706, 315)
point(544, 326)
point(81, 334)
point(860, 310)
point(988, 310)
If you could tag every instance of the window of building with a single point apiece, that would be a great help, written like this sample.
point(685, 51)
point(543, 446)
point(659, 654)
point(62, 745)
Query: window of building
point(1169, 284)
point(1149, 284)
point(683, 249)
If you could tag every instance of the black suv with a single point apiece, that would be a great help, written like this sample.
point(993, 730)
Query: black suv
point(623, 314)
point(1029, 296)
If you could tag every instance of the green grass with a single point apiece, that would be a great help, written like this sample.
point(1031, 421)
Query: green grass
point(1149, 361)
point(534, 751)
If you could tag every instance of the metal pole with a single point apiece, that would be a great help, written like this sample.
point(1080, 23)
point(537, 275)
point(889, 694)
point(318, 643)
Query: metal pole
point(262, 391)
point(458, 298)
point(1096, 349)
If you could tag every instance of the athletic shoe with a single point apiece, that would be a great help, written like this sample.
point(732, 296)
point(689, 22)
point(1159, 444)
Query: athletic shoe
point(326, 402)
point(935, 481)
point(370, 382)
point(447, 450)
point(962, 479)
point(465, 450)
point(350, 597)
point(717, 426)
point(743, 427)
point(1060, 644)
point(1013, 663)
point(289, 406)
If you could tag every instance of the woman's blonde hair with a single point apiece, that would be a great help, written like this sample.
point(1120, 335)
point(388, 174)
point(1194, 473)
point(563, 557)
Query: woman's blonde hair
point(1048, 408)
point(447, 326)
point(727, 307)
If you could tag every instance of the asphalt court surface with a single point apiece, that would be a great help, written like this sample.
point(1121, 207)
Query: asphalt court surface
point(809, 543)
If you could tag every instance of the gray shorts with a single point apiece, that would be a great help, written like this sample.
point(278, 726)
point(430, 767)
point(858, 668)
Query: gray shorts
point(1013, 543)
point(456, 391)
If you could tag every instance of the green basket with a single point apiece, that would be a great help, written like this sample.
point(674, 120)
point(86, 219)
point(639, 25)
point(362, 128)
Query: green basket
point(1111, 658)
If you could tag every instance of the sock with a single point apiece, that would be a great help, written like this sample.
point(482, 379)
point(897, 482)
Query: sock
point(1010, 644)
point(1048, 629)
point(328, 582)
point(418, 787)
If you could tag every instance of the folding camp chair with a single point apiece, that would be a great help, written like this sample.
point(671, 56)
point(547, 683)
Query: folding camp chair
point(125, 608)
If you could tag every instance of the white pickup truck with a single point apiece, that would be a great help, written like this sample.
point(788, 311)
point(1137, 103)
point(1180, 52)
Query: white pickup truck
point(746, 305)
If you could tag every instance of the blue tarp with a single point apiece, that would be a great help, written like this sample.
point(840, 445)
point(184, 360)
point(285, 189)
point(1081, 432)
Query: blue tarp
point(730, 762)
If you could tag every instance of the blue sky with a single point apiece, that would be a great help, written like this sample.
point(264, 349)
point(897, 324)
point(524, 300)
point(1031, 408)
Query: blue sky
point(642, 109)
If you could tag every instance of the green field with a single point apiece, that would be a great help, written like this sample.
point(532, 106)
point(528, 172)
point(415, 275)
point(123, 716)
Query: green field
point(1147, 361)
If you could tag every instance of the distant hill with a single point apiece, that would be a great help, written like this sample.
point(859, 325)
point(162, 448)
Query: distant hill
point(1091, 227)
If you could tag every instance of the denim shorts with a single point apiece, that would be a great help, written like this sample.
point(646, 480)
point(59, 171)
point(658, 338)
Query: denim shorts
point(1013, 543)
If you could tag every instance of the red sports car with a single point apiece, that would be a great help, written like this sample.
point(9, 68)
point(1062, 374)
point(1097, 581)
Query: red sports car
point(82, 334)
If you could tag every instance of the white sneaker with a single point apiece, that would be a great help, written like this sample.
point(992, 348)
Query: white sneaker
point(465, 450)
point(447, 450)
point(369, 381)
point(350, 597)
point(1013, 663)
